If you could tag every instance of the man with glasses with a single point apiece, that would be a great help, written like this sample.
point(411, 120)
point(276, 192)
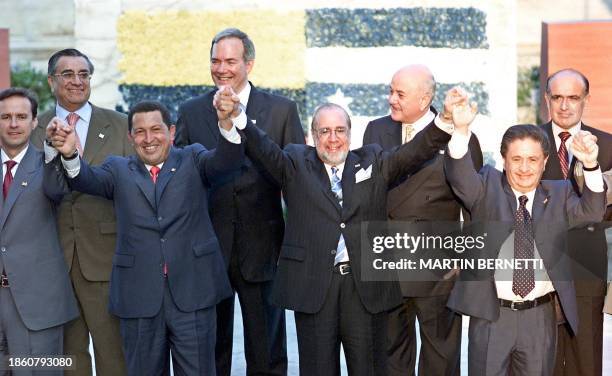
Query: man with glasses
point(567, 94)
point(330, 191)
point(87, 223)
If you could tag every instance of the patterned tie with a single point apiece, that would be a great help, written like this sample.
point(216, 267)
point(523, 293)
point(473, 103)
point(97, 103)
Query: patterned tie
point(407, 132)
point(72, 120)
point(336, 187)
point(523, 280)
point(8, 177)
point(563, 156)
point(154, 171)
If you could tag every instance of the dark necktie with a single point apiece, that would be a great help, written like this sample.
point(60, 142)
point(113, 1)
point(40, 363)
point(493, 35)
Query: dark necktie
point(562, 153)
point(8, 177)
point(523, 280)
point(336, 187)
point(154, 171)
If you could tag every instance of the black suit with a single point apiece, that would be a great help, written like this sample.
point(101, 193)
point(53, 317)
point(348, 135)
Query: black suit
point(247, 217)
point(333, 308)
point(424, 195)
point(581, 354)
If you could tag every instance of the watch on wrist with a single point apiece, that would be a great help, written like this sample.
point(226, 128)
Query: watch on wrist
point(74, 155)
point(446, 117)
point(594, 168)
point(49, 143)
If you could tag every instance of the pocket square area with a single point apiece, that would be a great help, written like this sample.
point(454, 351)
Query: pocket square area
point(363, 174)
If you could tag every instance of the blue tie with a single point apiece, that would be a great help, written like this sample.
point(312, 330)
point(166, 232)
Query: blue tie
point(336, 187)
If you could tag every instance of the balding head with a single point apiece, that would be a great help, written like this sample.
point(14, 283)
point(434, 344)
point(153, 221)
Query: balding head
point(411, 93)
point(567, 94)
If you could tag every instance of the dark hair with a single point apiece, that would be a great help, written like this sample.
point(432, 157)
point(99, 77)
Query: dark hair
point(521, 132)
point(149, 106)
point(73, 52)
point(247, 43)
point(585, 80)
point(20, 92)
point(328, 106)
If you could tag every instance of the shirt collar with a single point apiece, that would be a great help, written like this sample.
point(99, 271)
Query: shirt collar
point(244, 94)
point(83, 112)
point(423, 121)
point(17, 158)
point(340, 168)
point(530, 197)
point(573, 130)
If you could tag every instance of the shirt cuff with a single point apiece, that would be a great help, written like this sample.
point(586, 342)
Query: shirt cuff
point(231, 135)
point(240, 121)
point(594, 180)
point(72, 166)
point(50, 153)
point(458, 145)
point(446, 127)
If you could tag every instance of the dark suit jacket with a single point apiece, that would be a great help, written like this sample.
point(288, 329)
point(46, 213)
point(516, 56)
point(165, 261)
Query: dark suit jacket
point(85, 222)
point(30, 248)
point(591, 265)
point(492, 202)
point(423, 196)
point(163, 222)
point(246, 211)
point(315, 219)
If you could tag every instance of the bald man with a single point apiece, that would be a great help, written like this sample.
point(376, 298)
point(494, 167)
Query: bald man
point(422, 196)
point(567, 96)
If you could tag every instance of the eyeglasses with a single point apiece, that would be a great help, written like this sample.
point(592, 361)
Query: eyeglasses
point(327, 132)
point(572, 99)
point(70, 76)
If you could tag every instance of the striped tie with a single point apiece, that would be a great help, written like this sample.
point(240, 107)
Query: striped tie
point(563, 156)
point(336, 187)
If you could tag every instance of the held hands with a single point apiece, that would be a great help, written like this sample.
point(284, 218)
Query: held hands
point(585, 149)
point(459, 109)
point(62, 137)
point(227, 104)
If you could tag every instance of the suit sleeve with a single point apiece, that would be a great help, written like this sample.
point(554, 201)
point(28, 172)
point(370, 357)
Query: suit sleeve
point(55, 184)
point(262, 149)
point(407, 158)
point(588, 208)
point(293, 133)
point(94, 180)
point(220, 162)
point(467, 184)
point(476, 152)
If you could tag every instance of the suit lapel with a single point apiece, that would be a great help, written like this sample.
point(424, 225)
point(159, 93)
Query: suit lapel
point(317, 169)
point(348, 183)
point(392, 136)
point(167, 172)
point(96, 132)
point(143, 179)
point(540, 201)
point(255, 106)
point(20, 182)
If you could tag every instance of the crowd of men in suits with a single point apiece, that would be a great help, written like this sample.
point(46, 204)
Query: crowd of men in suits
point(146, 231)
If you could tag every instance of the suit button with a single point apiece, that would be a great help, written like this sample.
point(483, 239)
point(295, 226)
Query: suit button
point(162, 240)
point(342, 225)
point(333, 252)
point(159, 218)
point(3, 249)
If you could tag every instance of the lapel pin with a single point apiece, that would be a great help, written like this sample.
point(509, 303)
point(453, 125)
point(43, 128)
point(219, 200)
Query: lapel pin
point(545, 201)
point(254, 121)
point(173, 169)
point(100, 135)
point(357, 165)
point(24, 183)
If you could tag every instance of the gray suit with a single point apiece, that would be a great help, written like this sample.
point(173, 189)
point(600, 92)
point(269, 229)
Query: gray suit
point(491, 201)
point(40, 296)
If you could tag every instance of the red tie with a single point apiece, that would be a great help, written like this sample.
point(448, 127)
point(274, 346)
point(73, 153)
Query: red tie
point(154, 171)
point(8, 177)
point(72, 120)
point(562, 153)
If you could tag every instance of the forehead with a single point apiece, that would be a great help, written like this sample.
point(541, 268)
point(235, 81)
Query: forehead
point(228, 47)
point(15, 103)
point(567, 84)
point(73, 63)
point(526, 147)
point(148, 119)
point(331, 118)
point(404, 81)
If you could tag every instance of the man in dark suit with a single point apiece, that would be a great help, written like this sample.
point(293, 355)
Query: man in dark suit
point(36, 298)
point(422, 196)
point(246, 212)
point(329, 192)
point(578, 354)
point(513, 322)
point(87, 223)
point(168, 272)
